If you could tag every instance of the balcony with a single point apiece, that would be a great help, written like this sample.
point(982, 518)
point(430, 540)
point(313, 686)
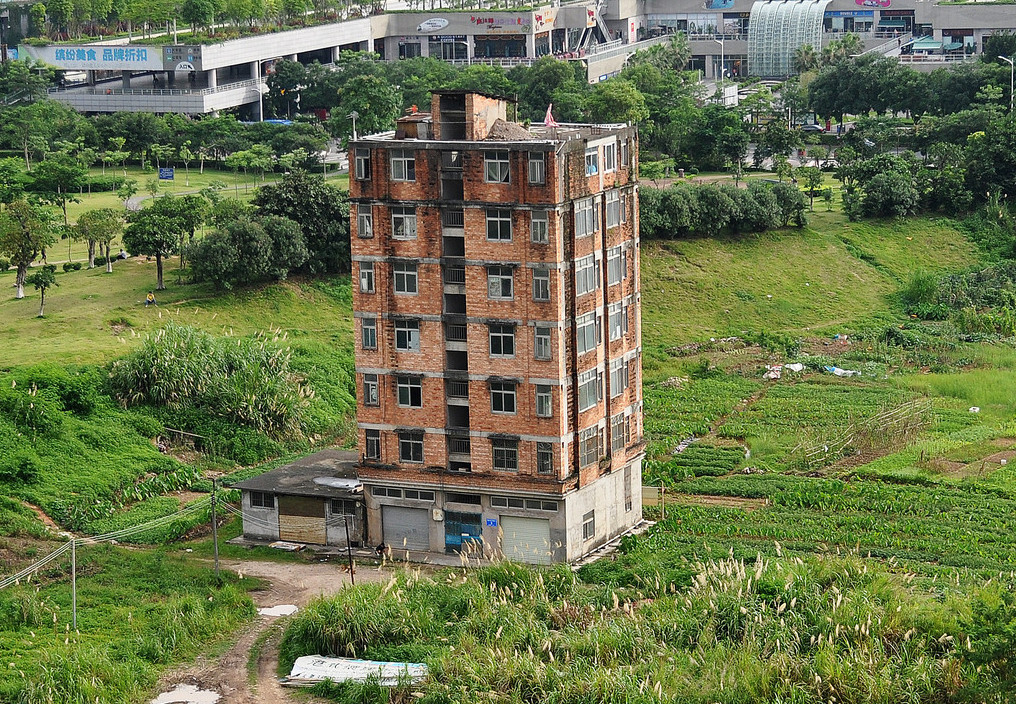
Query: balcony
point(459, 459)
point(455, 303)
point(457, 388)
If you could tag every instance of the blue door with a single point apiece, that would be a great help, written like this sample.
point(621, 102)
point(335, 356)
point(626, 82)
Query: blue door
point(462, 530)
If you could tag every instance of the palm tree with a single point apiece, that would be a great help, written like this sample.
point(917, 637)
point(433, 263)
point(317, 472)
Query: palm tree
point(805, 58)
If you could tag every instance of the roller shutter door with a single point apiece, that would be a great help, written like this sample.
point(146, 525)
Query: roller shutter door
point(302, 520)
point(406, 528)
point(526, 539)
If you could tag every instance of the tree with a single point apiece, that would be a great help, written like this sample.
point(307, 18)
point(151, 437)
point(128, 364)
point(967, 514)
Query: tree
point(100, 227)
point(186, 156)
point(376, 101)
point(153, 235)
point(322, 211)
point(667, 57)
point(24, 81)
point(12, 180)
point(812, 178)
point(43, 280)
point(889, 194)
point(126, 191)
point(199, 13)
point(284, 86)
point(189, 210)
point(805, 58)
point(57, 178)
point(617, 100)
point(25, 232)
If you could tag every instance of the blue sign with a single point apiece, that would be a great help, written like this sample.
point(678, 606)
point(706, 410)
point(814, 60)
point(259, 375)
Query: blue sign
point(166, 174)
point(492, 523)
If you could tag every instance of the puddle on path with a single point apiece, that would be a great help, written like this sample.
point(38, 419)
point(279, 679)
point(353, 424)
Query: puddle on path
point(187, 694)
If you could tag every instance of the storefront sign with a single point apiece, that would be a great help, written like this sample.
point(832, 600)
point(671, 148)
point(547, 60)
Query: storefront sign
point(874, 3)
point(100, 58)
point(511, 25)
point(850, 13)
point(434, 24)
point(544, 20)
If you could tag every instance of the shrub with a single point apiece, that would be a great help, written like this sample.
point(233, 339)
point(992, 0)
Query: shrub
point(5, 264)
point(20, 467)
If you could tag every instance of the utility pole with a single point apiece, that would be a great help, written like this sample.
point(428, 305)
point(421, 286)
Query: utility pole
point(352, 116)
point(74, 584)
point(215, 532)
point(349, 549)
point(1012, 73)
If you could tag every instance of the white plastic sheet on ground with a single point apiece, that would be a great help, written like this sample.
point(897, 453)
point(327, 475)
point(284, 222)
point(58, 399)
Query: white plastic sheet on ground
point(315, 668)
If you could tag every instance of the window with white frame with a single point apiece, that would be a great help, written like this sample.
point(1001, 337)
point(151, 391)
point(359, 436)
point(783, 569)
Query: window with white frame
point(589, 446)
point(368, 333)
point(410, 391)
point(499, 224)
point(585, 217)
point(617, 265)
point(627, 489)
point(618, 432)
point(366, 277)
point(624, 206)
point(612, 198)
point(541, 342)
point(587, 332)
point(370, 390)
point(537, 168)
point(541, 284)
point(404, 223)
point(411, 446)
point(502, 340)
point(262, 499)
point(618, 377)
point(609, 157)
point(625, 153)
point(362, 164)
point(495, 166)
point(592, 161)
point(405, 277)
point(372, 446)
point(544, 401)
point(544, 458)
point(585, 275)
point(364, 221)
point(505, 454)
point(500, 282)
point(589, 525)
point(590, 389)
point(403, 164)
point(502, 397)
point(617, 320)
point(539, 229)
point(407, 335)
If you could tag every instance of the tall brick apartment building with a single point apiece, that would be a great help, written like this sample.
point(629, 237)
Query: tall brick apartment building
point(498, 332)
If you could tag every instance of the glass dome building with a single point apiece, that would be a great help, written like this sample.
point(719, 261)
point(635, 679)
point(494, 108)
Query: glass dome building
point(777, 28)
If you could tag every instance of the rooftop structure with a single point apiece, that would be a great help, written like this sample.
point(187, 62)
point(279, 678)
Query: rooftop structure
point(498, 350)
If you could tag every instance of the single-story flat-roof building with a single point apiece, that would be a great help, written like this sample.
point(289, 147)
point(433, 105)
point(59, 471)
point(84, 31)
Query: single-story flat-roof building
point(312, 500)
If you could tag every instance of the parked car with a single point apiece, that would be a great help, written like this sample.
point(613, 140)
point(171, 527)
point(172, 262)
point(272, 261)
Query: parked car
point(812, 128)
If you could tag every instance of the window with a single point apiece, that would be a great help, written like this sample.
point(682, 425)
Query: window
point(499, 225)
point(617, 320)
point(370, 393)
point(364, 221)
point(362, 164)
point(545, 459)
point(410, 390)
point(499, 282)
point(589, 446)
point(627, 489)
point(366, 277)
point(419, 495)
point(403, 223)
point(386, 491)
point(587, 332)
point(502, 340)
point(589, 525)
point(613, 201)
point(544, 400)
point(403, 165)
point(617, 265)
point(454, 498)
point(262, 499)
point(407, 335)
point(539, 229)
point(506, 454)
point(541, 284)
point(590, 389)
point(618, 377)
point(541, 342)
point(585, 217)
point(585, 275)
point(537, 168)
point(609, 157)
point(411, 446)
point(624, 206)
point(625, 156)
point(368, 333)
point(516, 503)
point(405, 277)
point(495, 166)
point(618, 432)
point(592, 162)
point(372, 446)
point(341, 507)
point(502, 396)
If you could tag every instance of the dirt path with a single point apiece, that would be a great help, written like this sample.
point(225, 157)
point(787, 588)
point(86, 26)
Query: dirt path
point(294, 584)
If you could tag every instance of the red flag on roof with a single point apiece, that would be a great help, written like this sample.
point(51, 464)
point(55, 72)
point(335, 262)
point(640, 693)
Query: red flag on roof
point(549, 120)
